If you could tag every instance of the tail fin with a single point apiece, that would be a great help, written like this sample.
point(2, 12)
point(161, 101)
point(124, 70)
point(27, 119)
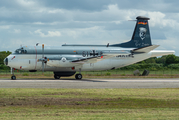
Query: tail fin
point(141, 36)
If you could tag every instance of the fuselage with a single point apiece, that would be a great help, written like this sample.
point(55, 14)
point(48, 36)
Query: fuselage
point(26, 58)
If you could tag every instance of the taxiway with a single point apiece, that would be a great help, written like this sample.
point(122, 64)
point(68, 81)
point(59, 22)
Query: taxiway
point(90, 83)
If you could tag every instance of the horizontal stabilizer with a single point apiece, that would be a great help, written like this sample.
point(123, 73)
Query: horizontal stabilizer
point(156, 53)
point(145, 49)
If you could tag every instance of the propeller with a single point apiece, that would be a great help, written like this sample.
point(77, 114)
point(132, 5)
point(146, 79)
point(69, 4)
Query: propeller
point(43, 59)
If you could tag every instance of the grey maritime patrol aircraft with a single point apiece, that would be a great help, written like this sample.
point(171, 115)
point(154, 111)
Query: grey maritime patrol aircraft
point(68, 59)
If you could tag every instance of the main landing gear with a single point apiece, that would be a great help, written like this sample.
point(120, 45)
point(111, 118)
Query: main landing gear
point(59, 74)
point(13, 77)
point(78, 76)
point(56, 76)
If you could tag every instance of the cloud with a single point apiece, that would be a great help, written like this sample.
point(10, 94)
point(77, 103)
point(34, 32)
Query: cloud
point(4, 27)
point(49, 34)
point(86, 5)
point(26, 3)
point(85, 21)
point(17, 31)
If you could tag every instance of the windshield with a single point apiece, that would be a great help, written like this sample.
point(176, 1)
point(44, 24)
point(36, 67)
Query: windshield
point(21, 51)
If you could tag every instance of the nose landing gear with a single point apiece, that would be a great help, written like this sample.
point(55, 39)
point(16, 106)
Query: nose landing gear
point(13, 77)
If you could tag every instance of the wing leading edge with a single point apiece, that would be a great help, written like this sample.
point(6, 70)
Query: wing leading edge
point(105, 55)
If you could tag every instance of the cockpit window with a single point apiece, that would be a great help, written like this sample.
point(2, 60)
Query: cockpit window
point(21, 51)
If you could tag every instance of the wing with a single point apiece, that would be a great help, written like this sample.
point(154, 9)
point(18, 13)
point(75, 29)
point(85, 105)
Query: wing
point(105, 55)
point(76, 60)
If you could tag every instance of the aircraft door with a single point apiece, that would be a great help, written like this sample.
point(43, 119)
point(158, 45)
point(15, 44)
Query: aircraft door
point(32, 61)
point(31, 64)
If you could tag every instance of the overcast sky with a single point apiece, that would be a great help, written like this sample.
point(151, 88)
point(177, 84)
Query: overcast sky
point(55, 22)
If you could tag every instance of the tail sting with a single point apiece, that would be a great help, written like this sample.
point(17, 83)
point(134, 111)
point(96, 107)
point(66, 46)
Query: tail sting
point(141, 36)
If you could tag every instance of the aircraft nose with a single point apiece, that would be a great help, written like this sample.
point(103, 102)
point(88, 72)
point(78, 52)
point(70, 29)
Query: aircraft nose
point(6, 61)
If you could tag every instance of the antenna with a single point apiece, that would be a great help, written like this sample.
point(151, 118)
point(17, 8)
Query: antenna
point(37, 44)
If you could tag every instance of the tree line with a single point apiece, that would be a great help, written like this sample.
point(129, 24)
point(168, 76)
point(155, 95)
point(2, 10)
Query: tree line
point(3, 55)
point(155, 63)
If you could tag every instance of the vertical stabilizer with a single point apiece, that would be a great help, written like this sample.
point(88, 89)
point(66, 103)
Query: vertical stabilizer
point(141, 36)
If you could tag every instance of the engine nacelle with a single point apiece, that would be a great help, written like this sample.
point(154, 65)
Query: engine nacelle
point(59, 63)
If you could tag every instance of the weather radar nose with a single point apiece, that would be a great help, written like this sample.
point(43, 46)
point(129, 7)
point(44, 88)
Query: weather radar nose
point(6, 61)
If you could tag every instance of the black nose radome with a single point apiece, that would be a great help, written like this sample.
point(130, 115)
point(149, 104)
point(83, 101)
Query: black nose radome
point(6, 61)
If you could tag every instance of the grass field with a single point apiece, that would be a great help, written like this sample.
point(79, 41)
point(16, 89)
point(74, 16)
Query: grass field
point(112, 72)
point(95, 74)
point(20, 103)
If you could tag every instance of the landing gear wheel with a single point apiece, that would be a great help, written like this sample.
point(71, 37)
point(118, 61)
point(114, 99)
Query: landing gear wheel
point(56, 77)
point(78, 76)
point(13, 77)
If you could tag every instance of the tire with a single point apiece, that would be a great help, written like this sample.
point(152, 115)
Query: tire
point(78, 76)
point(13, 77)
point(56, 77)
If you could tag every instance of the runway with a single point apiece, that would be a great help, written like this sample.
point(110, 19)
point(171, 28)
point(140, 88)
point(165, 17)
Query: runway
point(90, 83)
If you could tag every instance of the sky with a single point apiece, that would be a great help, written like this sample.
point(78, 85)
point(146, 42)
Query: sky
point(56, 22)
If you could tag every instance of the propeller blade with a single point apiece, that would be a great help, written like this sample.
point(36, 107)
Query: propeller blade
point(43, 67)
point(42, 50)
point(43, 58)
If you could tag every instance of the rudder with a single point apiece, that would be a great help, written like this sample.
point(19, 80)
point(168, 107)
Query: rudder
point(141, 35)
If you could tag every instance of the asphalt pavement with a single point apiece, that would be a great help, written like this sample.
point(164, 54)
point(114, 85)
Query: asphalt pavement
point(90, 83)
